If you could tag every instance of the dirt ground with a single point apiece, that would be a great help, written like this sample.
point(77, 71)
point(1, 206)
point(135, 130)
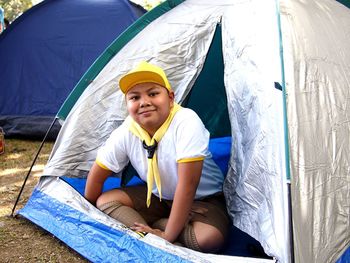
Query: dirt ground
point(21, 240)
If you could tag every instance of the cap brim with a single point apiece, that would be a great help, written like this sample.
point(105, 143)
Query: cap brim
point(134, 78)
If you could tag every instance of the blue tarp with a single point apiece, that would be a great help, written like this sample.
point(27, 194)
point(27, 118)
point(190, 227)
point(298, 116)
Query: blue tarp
point(345, 258)
point(44, 53)
point(93, 240)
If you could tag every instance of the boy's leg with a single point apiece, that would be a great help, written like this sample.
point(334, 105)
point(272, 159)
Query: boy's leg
point(118, 205)
point(207, 227)
point(210, 223)
point(124, 214)
point(158, 209)
point(208, 238)
point(188, 237)
point(128, 205)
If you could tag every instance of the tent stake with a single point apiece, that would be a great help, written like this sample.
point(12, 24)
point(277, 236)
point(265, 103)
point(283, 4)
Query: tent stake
point(31, 167)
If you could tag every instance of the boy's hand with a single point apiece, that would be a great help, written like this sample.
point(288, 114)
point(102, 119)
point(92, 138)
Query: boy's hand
point(144, 228)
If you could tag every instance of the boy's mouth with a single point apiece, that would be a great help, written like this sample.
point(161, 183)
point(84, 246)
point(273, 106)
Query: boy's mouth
point(146, 112)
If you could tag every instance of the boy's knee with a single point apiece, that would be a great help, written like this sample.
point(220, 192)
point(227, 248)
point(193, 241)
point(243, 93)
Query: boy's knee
point(114, 195)
point(124, 214)
point(109, 207)
point(102, 200)
point(189, 239)
point(209, 238)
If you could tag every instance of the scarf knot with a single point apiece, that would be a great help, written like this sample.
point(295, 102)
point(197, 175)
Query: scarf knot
point(151, 149)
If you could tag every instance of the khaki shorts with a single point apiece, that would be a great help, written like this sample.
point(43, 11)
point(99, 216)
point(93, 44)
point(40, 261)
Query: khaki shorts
point(211, 210)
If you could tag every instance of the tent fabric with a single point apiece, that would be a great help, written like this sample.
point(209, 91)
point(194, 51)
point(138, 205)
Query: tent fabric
point(45, 52)
point(264, 44)
point(30, 127)
point(256, 187)
point(182, 54)
point(318, 82)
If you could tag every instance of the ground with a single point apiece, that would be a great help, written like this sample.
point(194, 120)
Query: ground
point(21, 240)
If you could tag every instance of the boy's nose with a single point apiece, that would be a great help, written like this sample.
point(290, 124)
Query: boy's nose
point(144, 102)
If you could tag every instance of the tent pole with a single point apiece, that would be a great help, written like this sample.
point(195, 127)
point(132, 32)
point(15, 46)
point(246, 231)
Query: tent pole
point(31, 167)
point(291, 236)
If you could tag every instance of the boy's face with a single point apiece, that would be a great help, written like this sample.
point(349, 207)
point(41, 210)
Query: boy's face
point(149, 104)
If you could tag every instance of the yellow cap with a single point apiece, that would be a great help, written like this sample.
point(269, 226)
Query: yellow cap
point(143, 73)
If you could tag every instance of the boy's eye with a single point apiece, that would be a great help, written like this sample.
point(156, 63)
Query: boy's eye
point(152, 94)
point(133, 98)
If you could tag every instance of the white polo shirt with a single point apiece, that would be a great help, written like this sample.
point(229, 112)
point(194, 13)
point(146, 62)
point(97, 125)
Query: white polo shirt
point(186, 138)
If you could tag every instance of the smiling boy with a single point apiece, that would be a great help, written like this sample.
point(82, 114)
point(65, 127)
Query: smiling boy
point(168, 147)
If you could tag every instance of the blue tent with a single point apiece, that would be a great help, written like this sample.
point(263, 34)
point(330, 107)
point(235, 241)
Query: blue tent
point(44, 53)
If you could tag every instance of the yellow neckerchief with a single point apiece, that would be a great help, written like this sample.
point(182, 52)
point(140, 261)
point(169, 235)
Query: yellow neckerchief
point(150, 144)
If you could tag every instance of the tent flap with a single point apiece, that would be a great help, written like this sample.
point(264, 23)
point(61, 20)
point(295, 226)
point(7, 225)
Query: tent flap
point(316, 44)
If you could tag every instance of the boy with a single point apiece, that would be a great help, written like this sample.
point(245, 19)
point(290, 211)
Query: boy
point(168, 145)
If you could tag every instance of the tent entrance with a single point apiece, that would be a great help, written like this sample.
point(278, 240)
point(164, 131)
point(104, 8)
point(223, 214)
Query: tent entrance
point(208, 96)
point(208, 99)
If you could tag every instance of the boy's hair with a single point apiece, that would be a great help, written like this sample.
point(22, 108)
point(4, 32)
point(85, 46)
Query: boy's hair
point(143, 73)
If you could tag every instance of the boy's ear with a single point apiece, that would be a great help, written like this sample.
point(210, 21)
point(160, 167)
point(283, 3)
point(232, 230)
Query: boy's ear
point(172, 96)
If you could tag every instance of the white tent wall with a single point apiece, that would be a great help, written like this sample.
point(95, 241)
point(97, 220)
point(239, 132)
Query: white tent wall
point(316, 37)
point(255, 187)
point(178, 41)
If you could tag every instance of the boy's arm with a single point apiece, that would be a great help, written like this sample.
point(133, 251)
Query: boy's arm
point(189, 174)
point(94, 184)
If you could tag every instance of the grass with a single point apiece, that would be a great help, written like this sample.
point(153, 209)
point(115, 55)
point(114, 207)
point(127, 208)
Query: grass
point(20, 240)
